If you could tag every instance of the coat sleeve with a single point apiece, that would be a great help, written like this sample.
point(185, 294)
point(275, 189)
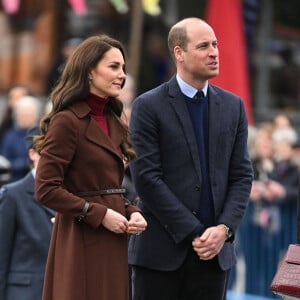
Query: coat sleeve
point(57, 154)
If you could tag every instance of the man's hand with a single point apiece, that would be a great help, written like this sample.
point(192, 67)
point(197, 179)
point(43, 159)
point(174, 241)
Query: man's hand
point(210, 243)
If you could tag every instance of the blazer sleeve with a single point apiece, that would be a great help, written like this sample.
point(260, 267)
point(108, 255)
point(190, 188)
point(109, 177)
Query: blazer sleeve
point(7, 229)
point(238, 175)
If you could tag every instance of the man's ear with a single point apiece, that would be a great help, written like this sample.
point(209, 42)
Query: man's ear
point(178, 53)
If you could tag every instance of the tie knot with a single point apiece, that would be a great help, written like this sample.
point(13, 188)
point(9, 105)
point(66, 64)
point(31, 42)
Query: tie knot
point(199, 95)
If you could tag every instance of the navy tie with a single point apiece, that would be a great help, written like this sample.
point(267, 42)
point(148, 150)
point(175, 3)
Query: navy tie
point(199, 95)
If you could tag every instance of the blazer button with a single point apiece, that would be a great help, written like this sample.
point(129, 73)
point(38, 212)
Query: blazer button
point(166, 226)
point(194, 213)
point(197, 187)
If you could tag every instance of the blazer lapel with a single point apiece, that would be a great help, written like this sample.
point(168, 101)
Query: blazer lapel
point(214, 124)
point(28, 183)
point(177, 101)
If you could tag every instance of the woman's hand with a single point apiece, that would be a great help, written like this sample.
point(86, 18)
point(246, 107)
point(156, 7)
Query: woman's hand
point(114, 221)
point(137, 224)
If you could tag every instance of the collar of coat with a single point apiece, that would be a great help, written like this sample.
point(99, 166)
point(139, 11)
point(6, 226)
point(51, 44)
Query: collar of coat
point(111, 142)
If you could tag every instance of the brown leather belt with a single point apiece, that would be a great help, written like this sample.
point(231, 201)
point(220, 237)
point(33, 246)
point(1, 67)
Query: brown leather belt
point(101, 192)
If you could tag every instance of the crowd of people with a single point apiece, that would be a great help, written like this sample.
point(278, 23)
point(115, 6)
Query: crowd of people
point(269, 225)
point(137, 188)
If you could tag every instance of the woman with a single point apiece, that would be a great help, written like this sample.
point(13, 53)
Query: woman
point(83, 148)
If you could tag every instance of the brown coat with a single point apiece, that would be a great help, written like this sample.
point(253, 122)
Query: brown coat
point(85, 261)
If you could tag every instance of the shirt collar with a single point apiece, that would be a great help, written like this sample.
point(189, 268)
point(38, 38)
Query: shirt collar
point(189, 90)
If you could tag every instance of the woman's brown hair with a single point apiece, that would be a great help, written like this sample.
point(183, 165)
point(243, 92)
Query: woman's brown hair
point(74, 86)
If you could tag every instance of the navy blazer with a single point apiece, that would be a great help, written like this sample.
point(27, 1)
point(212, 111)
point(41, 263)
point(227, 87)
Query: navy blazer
point(25, 231)
point(167, 172)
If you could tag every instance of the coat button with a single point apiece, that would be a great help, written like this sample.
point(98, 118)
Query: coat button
point(194, 212)
point(197, 187)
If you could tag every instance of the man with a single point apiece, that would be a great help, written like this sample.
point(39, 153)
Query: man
point(193, 175)
point(25, 230)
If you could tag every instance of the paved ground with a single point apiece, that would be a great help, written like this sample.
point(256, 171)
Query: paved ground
point(239, 296)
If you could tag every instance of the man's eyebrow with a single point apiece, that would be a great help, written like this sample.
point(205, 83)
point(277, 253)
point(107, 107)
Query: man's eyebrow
point(202, 43)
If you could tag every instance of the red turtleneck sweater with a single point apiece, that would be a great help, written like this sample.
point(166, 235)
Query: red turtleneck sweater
point(97, 105)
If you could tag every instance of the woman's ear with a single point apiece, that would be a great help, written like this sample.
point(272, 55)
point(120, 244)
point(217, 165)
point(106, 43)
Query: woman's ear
point(90, 75)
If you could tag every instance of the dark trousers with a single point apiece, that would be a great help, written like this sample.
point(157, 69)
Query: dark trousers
point(195, 280)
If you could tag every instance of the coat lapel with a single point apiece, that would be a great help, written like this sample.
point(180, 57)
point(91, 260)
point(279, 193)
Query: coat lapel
point(177, 101)
point(96, 135)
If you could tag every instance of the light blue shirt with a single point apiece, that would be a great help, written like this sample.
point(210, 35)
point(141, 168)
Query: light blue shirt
point(189, 90)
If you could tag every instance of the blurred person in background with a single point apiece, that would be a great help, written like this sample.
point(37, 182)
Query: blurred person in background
point(250, 234)
point(262, 158)
point(5, 172)
point(25, 231)
point(127, 95)
point(269, 224)
point(26, 114)
point(285, 169)
point(14, 94)
point(55, 72)
point(281, 121)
